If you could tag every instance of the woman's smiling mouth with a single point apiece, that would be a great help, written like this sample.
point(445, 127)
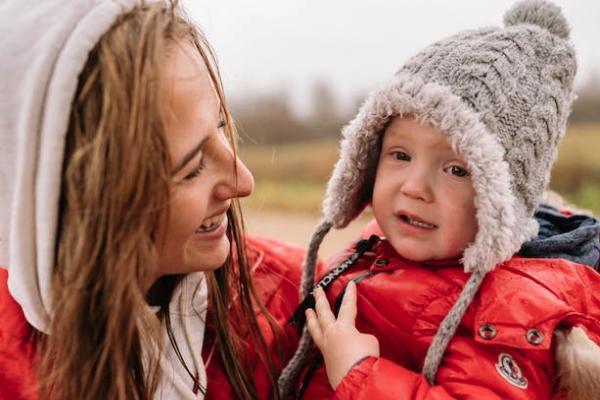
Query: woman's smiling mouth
point(212, 223)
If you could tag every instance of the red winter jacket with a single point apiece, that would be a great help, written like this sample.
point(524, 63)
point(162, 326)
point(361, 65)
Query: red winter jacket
point(503, 348)
point(276, 273)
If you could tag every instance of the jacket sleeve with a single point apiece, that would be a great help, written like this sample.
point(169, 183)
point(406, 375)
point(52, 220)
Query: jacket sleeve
point(470, 371)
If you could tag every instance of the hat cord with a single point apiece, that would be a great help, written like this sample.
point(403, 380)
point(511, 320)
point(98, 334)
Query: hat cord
point(449, 325)
point(290, 373)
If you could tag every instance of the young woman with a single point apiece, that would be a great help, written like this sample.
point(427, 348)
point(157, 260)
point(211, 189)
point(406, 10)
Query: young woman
point(127, 273)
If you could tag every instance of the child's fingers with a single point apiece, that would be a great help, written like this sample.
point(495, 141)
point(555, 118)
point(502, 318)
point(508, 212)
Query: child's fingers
point(347, 313)
point(313, 327)
point(324, 314)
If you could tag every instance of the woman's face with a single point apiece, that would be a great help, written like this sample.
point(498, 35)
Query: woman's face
point(205, 174)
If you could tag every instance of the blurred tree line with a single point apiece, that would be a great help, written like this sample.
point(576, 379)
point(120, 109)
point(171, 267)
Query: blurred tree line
point(271, 118)
point(587, 106)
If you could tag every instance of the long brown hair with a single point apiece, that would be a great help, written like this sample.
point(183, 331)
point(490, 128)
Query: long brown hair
point(115, 193)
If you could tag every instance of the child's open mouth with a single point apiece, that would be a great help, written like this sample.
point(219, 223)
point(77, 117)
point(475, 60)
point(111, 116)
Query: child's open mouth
point(411, 220)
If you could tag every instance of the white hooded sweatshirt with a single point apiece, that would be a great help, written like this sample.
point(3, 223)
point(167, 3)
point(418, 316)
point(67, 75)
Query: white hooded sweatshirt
point(44, 46)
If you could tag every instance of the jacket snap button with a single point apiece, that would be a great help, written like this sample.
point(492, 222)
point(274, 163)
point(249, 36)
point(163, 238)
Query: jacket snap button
point(487, 331)
point(381, 263)
point(534, 336)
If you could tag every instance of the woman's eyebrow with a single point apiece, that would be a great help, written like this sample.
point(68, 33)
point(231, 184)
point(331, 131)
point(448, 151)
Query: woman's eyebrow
point(189, 156)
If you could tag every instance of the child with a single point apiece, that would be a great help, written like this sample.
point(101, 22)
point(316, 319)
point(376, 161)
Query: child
point(454, 156)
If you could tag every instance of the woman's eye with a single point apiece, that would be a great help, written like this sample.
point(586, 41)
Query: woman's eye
point(401, 156)
point(458, 171)
point(196, 172)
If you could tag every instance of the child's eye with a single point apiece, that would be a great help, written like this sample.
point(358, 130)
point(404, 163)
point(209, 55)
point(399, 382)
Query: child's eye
point(196, 172)
point(222, 123)
point(401, 156)
point(457, 171)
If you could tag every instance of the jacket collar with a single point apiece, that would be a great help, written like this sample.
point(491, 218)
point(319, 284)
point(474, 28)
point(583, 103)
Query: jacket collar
point(521, 298)
point(387, 259)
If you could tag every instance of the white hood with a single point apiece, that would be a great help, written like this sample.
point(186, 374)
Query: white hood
point(44, 46)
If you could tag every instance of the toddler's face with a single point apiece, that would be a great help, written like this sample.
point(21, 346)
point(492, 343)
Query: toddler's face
point(423, 198)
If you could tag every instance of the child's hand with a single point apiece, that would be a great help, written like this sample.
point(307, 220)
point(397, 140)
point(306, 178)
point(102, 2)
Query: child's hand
point(339, 341)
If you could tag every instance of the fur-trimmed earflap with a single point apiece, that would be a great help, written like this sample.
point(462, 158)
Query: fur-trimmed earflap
point(578, 364)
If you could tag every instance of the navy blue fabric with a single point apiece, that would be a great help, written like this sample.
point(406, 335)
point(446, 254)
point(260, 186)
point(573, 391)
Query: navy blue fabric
point(572, 237)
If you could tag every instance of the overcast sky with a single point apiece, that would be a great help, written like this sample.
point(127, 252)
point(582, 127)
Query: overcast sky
point(267, 45)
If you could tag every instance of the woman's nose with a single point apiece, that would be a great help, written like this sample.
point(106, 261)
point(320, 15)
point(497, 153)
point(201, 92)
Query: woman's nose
point(244, 180)
point(236, 179)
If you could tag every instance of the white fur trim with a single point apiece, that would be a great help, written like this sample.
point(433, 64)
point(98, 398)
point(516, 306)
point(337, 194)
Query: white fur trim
point(45, 48)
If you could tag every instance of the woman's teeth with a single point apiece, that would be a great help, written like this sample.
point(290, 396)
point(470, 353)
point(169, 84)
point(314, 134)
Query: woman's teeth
point(211, 223)
point(417, 223)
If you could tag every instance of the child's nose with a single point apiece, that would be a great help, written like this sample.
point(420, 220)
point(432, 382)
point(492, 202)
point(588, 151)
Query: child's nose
point(417, 186)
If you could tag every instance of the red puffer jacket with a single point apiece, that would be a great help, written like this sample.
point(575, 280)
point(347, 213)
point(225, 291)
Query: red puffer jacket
point(503, 348)
point(276, 272)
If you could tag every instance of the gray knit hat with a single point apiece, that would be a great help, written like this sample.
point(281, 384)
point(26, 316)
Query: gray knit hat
point(502, 95)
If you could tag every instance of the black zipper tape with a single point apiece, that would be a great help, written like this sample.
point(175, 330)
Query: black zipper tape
point(298, 317)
